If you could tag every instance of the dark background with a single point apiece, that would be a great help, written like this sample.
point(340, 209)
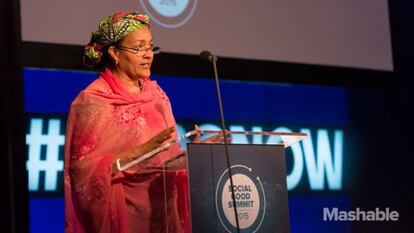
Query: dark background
point(380, 111)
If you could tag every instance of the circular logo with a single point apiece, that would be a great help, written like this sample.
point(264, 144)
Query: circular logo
point(250, 200)
point(169, 13)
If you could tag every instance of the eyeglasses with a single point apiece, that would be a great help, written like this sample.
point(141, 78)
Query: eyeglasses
point(140, 51)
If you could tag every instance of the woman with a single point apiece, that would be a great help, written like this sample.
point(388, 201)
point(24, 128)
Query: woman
point(119, 117)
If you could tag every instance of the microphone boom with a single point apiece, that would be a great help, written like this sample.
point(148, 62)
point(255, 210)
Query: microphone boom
point(208, 56)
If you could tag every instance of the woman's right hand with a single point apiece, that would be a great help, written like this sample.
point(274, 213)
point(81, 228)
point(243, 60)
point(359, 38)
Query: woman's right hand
point(136, 152)
point(155, 141)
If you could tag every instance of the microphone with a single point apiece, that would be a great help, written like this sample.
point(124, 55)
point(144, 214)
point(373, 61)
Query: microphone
point(209, 57)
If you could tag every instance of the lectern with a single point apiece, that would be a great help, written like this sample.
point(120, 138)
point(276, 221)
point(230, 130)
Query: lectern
point(203, 191)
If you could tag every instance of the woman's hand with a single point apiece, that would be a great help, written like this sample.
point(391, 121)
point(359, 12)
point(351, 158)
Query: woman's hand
point(217, 138)
point(155, 141)
point(134, 153)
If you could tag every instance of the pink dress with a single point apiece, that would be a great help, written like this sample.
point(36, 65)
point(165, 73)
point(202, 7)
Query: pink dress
point(104, 120)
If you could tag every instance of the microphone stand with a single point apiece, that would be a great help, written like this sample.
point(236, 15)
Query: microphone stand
point(213, 59)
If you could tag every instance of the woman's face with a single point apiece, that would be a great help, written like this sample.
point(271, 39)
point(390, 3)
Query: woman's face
point(132, 63)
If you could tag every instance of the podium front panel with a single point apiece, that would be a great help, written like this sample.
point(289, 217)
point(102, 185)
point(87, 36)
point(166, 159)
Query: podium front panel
point(259, 179)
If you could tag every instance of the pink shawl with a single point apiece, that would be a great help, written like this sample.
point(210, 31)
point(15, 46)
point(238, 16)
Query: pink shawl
point(106, 119)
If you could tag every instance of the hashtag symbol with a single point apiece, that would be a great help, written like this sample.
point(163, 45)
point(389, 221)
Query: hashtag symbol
point(51, 165)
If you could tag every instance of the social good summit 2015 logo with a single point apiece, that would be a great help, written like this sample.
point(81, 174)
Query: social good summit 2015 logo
point(169, 13)
point(250, 200)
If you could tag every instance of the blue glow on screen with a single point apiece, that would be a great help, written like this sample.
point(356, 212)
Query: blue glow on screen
point(51, 91)
point(257, 102)
point(318, 161)
point(322, 163)
point(46, 215)
point(306, 213)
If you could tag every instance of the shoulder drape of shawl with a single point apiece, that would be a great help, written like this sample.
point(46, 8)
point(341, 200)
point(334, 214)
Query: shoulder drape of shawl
point(106, 119)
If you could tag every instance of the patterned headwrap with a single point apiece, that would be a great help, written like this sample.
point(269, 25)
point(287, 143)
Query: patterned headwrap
point(111, 30)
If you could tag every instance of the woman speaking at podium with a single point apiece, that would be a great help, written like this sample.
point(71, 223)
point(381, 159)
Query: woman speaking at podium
point(119, 117)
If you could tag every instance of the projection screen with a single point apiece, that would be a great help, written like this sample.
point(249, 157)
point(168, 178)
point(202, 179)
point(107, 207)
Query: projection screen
point(345, 33)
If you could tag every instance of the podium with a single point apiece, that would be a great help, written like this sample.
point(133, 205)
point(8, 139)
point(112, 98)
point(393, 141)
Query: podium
point(259, 178)
point(200, 195)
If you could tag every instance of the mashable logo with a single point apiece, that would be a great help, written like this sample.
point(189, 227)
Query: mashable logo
point(377, 215)
point(320, 155)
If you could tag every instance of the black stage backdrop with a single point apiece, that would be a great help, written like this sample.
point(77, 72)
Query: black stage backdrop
point(14, 193)
point(382, 121)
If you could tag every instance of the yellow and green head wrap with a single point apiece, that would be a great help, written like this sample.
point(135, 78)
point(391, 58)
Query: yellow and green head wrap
point(110, 30)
